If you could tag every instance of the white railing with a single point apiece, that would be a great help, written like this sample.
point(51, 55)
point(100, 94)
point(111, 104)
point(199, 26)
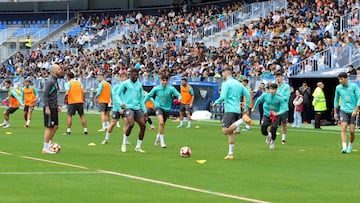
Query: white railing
point(334, 57)
point(350, 21)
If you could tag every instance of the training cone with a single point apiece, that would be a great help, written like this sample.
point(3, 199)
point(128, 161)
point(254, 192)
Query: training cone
point(201, 161)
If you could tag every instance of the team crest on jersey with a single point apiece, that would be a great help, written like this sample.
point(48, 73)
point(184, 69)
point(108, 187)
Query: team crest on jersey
point(203, 93)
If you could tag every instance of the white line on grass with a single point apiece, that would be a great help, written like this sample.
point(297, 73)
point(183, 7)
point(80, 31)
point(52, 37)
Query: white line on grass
point(1, 152)
point(50, 173)
point(54, 162)
point(146, 180)
point(182, 187)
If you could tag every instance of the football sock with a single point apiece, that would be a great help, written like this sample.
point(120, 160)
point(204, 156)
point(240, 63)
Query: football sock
point(46, 145)
point(181, 122)
point(189, 123)
point(161, 138)
point(125, 139)
point(239, 122)
point(68, 130)
point(85, 129)
point(283, 136)
point(107, 123)
point(344, 145)
point(350, 144)
point(138, 144)
point(107, 136)
point(28, 122)
point(231, 149)
point(103, 125)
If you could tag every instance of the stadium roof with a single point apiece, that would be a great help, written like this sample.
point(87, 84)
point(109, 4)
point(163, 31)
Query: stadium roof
point(26, 1)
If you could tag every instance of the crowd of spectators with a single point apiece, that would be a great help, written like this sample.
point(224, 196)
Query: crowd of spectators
point(275, 42)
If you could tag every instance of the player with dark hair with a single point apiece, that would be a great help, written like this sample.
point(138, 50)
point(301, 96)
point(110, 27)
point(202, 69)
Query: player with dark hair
point(283, 90)
point(131, 94)
point(117, 112)
point(349, 94)
point(186, 103)
point(274, 106)
point(76, 99)
point(164, 94)
point(103, 95)
point(29, 95)
point(14, 103)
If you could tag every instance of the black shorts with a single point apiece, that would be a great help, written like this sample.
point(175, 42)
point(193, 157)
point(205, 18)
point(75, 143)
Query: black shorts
point(266, 121)
point(116, 115)
point(229, 118)
point(283, 117)
point(27, 108)
point(163, 113)
point(184, 108)
point(104, 107)
point(135, 113)
point(51, 120)
point(11, 110)
point(73, 108)
point(150, 112)
point(346, 117)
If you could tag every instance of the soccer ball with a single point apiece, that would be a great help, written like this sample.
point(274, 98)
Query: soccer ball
point(55, 147)
point(185, 151)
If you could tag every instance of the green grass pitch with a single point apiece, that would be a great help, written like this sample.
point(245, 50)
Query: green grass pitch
point(310, 168)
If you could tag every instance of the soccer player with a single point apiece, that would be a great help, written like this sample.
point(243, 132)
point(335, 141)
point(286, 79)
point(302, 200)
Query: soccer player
point(349, 95)
point(283, 90)
point(231, 92)
point(164, 94)
point(150, 110)
point(14, 100)
point(245, 82)
point(274, 107)
point(131, 94)
point(117, 112)
point(103, 95)
point(30, 95)
point(51, 107)
point(186, 103)
point(76, 99)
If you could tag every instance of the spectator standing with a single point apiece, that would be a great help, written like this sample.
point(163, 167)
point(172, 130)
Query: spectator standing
point(306, 92)
point(319, 103)
point(259, 92)
point(291, 105)
point(298, 108)
point(28, 42)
